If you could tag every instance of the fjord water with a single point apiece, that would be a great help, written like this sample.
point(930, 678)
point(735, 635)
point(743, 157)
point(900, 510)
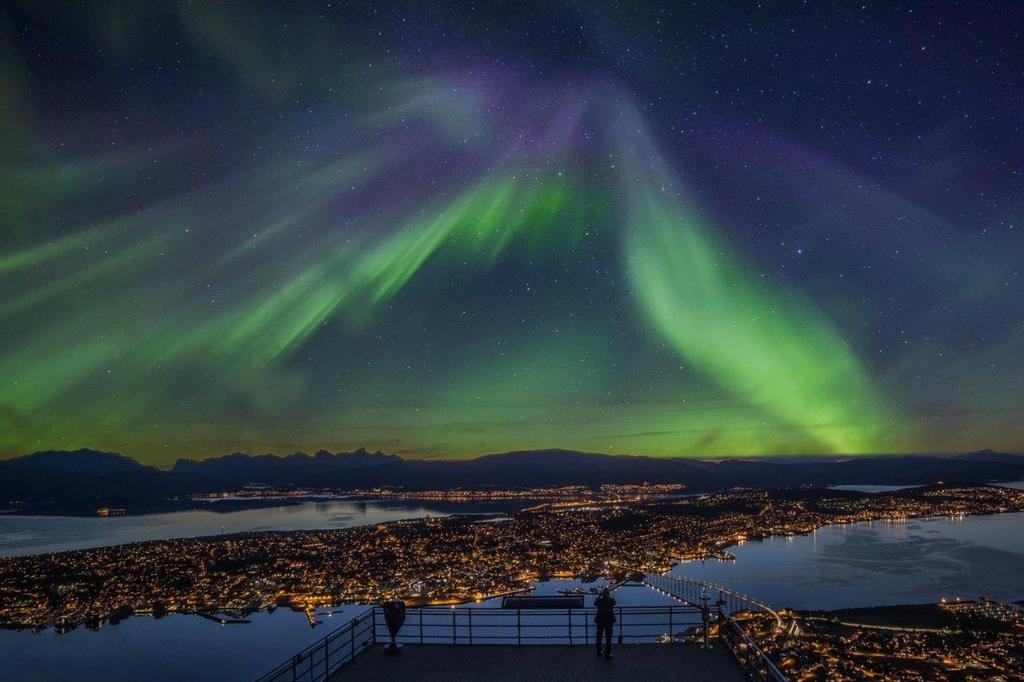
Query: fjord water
point(20, 535)
point(863, 564)
point(170, 649)
point(883, 562)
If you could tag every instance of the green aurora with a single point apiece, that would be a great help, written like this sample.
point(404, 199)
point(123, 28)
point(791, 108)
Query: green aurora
point(451, 264)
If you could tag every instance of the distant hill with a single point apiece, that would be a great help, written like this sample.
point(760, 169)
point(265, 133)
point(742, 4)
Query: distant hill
point(88, 462)
point(79, 481)
point(529, 468)
point(560, 467)
point(361, 469)
point(889, 470)
point(296, 469)
point(991, 456)
point(52, 481)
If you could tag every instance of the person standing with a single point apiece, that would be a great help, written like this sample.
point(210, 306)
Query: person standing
point(605, 619)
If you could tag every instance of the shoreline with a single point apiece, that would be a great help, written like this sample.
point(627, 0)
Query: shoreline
point(729, 544)
point(720, 545)
point(229, 502)
point(706, 549)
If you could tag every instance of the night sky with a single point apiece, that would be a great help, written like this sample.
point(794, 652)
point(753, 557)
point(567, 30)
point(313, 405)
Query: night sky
point(448, 229)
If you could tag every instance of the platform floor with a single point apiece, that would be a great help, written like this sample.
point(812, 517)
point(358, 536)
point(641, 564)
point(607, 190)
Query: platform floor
point(447, 663)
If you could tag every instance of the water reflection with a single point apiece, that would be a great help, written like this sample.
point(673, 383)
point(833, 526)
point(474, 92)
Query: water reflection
point(37, 534)
point(834, 567)
point(912, 561)
point(170, 649)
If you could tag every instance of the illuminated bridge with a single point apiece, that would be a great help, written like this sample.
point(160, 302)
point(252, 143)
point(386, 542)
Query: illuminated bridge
point(662, 633)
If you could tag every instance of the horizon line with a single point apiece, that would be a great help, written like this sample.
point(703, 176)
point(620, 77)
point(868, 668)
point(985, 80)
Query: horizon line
point(407, 456)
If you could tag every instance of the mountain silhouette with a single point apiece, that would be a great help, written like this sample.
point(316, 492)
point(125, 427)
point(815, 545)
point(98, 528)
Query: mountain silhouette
point(83, 461)
point(298, 468)
point(80, 480)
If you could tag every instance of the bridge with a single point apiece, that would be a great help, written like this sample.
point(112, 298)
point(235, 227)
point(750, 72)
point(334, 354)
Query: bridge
point(449, 644)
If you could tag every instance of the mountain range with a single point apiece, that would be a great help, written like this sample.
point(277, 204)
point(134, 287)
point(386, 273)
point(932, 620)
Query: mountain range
point(361, 469)
point(79, 481)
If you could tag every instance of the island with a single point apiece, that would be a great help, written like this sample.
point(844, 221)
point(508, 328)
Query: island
point(438, 560)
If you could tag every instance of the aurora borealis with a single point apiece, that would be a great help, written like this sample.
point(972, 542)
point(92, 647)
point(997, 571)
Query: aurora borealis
point(448, 230)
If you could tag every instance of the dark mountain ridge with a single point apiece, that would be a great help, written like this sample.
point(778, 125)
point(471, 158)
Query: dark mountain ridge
point(85, 479)
point(82, 461)
point(80, 481)
point(527, 469)
point(295, 469)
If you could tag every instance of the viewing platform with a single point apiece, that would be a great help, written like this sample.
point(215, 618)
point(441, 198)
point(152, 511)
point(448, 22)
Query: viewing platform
point(455, 663)
point(662, 632)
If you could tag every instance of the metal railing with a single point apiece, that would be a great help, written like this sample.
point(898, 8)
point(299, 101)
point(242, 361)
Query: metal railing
point(319, 660)
point(691, 590)
point(521, 627)
point(754, 661)
point(470, 626)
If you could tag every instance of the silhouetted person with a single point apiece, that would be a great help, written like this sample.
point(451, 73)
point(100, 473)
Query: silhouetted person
point(605, 619)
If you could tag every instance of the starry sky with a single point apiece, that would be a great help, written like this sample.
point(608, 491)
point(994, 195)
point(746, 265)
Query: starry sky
point(448, 229)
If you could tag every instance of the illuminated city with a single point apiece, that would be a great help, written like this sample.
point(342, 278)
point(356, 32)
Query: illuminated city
point(437, 561)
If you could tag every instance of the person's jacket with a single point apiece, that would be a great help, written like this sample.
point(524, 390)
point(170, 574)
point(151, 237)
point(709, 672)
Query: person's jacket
point(605, 611)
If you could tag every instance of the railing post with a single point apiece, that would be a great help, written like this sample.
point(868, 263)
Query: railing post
point(373, 621)
point(421, 625)
point(671, 633)
point(471, 626)
point(351, 641)
point(570, 625)
point(705, 614)
point(455, 639)
point(621, 625)
point(519, 627)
